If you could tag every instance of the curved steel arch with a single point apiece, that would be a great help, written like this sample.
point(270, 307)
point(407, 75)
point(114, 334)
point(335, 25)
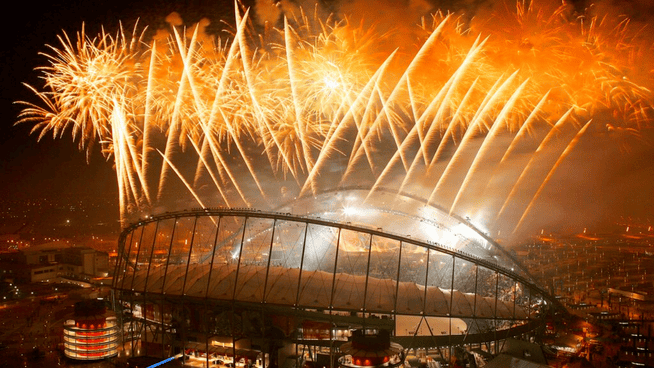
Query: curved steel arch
point(175, 292)
point(249, 213)
point(459, 218)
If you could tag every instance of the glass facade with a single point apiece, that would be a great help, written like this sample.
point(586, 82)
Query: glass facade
point(205, 268)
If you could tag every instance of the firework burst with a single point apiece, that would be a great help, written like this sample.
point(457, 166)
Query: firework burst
point(262, 116)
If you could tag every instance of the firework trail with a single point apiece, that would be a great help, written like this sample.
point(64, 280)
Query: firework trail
point(268, 114)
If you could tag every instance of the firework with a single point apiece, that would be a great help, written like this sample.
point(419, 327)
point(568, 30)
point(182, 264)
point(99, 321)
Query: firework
point(264, 116)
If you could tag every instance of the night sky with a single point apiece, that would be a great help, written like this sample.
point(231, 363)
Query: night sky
point(55, 167)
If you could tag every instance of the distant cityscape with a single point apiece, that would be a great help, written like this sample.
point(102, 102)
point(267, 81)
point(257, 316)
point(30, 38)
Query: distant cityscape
point(85, 221)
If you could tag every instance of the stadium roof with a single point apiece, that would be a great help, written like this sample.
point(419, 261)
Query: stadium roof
point(350, 292)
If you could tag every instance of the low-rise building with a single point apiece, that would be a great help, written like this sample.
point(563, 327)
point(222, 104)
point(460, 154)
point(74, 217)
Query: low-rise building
point(50, 261)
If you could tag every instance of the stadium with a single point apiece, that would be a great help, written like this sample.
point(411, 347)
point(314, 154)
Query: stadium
point(347, 179)
point(279, 288)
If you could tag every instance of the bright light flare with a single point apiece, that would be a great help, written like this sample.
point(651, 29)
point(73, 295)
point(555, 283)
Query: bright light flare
point(331, 84)
point(254, 120)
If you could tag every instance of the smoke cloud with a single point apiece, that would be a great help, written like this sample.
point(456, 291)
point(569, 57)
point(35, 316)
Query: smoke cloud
point(267, 12)
point(591, 187)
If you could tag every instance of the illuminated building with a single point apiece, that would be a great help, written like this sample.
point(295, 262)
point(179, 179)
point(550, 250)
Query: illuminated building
point(367, 350)
point(274, 286)
point(92, 334)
